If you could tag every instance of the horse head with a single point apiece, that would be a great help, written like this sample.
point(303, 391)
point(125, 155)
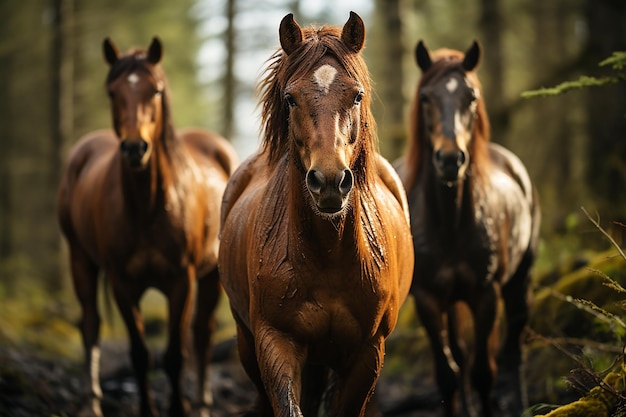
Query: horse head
point(324, 105)
point(136, 86)
point(448, 105)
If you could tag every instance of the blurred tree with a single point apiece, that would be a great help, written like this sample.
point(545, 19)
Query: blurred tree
point(386, 61)
point(6, 63)
point(606, 174)
point(229, 72)
point(492, 73)
point(62, 122)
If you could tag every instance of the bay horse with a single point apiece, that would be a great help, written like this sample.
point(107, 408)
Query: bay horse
point(475, 224)
point(141, 203)
point(316, 255)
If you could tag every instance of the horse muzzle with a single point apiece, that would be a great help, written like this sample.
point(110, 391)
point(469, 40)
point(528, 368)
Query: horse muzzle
point(134, 151)
point(450, 165)
point(330, 192)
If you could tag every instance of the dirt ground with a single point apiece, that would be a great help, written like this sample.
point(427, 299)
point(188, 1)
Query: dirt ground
point(33, 386)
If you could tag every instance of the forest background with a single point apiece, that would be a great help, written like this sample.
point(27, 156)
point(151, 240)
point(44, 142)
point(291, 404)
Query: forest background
point(52, 91)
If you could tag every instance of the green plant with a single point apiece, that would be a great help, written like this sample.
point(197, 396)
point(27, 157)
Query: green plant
point(617, 61)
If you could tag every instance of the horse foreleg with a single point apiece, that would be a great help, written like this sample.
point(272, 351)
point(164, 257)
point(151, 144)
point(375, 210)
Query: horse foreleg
point(128, 305)
point(516, 302)
point(484, 368)
point(431, 316)
point(85, 281)
point(179, 305)
point(457, 321)
point(207, 297)
point(280, 361)
point(356, 384)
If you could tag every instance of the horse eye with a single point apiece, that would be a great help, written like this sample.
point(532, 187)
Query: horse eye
point(358, 97)
point(289, 100)
point(158, 93)
point(424, 100)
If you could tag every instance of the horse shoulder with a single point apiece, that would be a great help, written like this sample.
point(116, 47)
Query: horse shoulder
point(400, 166)
point(85, 176)
point(392, 181)
point(512, 166)
point(519, 197)
point(237, 184)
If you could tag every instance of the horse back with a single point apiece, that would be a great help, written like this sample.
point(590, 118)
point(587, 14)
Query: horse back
point(210, 148)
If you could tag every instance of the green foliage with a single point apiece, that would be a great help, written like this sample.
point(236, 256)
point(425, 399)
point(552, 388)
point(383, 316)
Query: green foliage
point(604, 336)
point(618, 63)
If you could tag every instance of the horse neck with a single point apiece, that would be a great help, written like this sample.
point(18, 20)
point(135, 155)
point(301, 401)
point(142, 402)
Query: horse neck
point(450, 208)
point(355, 235)
point(148, 191)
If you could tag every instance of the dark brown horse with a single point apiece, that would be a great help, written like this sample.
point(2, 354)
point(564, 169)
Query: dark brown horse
point(142, 204)
point(475, 221)
point(316, 254)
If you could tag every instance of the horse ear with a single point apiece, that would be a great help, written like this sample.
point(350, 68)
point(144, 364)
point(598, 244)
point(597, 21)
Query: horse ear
point(353, 33)
point(290, 34)
point(422, 56)
point(472, 57)
point(111, 53)
point(155, 51)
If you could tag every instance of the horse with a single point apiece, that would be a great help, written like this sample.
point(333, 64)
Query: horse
point(141, 203)
point(475, 221)
point(316, 255)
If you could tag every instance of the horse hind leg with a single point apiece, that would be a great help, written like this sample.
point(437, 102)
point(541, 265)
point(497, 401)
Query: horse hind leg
point(128, 304)
point(314, 379)
point(207, 298)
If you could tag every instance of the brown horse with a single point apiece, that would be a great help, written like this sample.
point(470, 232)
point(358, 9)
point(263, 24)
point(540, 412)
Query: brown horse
point(475, 221)
point(316, 254)
point(142, 204)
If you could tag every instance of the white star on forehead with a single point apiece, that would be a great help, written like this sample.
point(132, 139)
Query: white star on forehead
point(324, 76)
point(451, 85)
point(133, 78)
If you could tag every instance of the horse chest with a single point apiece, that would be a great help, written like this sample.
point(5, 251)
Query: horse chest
point(153, 250)
point(456, 262)
point(322, 307)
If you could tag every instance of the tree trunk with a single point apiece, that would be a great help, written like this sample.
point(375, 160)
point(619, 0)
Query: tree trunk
point(228, 128)
point(6, 142)
point(606, 107)
point(388, 48)
point(492, 68)
point(62, 118)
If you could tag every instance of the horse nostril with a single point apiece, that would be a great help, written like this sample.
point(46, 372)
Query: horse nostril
point(315, 181)
point(454, 159)
point(134, 150)
point(461, 159)
point(347, 181)
point(438, 155)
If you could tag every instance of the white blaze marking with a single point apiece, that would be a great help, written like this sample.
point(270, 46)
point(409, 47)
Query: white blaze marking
point(451, 85)
point(324, 77)
point(458, 123)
